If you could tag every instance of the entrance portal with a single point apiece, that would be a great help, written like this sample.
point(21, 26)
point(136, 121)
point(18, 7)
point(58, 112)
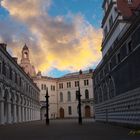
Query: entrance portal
point(87, 112)
point(61, 111)
point(43, 112)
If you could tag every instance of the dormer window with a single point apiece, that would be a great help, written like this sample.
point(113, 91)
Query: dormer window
point(111, 21)
point(106, 5)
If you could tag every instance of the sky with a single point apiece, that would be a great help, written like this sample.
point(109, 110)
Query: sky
point(63, 36)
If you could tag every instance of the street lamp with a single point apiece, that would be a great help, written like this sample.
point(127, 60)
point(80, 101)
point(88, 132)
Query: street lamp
point(79, 106)
point(47, 107)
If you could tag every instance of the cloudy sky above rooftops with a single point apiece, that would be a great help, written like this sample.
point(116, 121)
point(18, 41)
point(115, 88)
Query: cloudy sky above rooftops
point(62, 35)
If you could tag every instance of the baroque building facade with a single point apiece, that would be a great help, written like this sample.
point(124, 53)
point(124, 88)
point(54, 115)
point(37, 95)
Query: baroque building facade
point(63, 94)
point(62, 91)
point(19, 96)
point(117, 76)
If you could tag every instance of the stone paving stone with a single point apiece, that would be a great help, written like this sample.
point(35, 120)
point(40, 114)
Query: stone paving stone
point(65, 130)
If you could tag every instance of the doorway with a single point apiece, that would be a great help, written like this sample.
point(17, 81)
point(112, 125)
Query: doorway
point(61, 111)
point(87, 112)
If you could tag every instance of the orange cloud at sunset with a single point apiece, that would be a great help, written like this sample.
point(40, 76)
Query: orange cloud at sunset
point(62, 42)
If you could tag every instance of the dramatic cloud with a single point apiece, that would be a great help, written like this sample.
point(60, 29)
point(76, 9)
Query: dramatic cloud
point(63, 42)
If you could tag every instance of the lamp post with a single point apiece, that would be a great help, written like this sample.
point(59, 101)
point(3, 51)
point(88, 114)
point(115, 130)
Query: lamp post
point(79, 106)
point(47, 107)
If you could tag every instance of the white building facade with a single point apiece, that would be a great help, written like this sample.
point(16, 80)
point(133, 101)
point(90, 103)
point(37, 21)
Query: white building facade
point(63, 97)
point(19, 96)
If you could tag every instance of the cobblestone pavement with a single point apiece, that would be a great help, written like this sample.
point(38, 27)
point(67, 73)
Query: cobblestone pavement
point(66, 130)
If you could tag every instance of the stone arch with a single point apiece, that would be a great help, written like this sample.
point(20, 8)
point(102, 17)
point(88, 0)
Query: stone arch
point(111, 85)
point(13, 101)
point(18, 99)
point(6, 102)
point(24, 101)
point(96, 95)
point(18, 102)
point(42, 112)
point(105, 91)
point(100, 94)
point(21, 99)
point(7, 95)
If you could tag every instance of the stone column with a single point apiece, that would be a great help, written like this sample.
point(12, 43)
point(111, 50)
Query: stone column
point(29, 114)
point(26, 113)
point(15, 113)
point(9, 117)
point(1, 112)
point(23, 116)
point(19, 113)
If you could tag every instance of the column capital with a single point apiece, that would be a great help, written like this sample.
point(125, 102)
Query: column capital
point(9, 101)
point(1, 100)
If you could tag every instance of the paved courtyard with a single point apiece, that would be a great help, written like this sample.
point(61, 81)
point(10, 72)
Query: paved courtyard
point(66, 130)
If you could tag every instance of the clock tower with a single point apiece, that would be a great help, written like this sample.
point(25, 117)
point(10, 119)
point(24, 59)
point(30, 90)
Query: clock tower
point(25, 62)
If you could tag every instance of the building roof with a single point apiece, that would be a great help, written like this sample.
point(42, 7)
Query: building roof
point(76, 73)
point(67, 76)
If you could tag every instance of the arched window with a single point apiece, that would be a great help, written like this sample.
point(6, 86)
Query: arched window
point(69, 96)
point(86, 94)
point(111, 88)
point(96, 95)
point(61, 97)
point(100, 94)
point(105, 92)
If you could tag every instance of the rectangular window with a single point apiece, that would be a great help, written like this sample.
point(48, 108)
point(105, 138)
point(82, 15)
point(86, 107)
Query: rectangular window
point(69, 110)
point(105, 31)
point(52, 88)
point(130, 47)
point(110, 21)
point(86, 82)
point(77, 93)
point(60, 85)
point(118, 58)
point(42, 86)
point(76, 83)
point(110, 66)
point(45, 87)
point(68, 84)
